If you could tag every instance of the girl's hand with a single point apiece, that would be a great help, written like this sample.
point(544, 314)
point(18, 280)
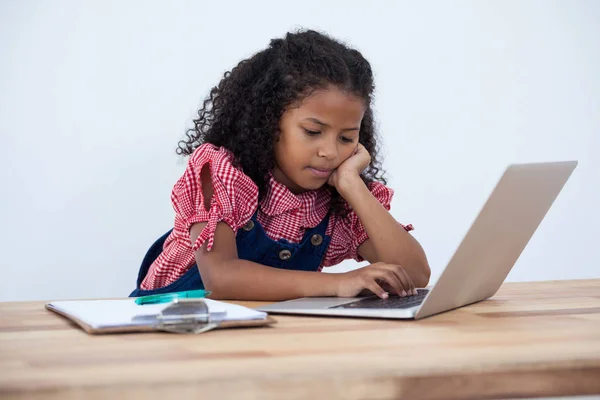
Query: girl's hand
point(379, 278)
point(352, 167)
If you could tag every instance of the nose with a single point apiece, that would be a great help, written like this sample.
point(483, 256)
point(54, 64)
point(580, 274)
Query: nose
point(328, 150)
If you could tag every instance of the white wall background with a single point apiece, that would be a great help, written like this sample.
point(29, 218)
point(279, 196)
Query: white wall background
point(95, 95)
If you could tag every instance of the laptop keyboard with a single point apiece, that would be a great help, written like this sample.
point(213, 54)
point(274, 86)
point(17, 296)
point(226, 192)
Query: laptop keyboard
point(390, 302)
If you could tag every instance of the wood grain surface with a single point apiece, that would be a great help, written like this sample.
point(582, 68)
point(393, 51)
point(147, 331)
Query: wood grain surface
point(531, 339)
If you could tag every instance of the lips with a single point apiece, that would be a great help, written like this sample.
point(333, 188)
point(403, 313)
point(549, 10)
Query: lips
point(320, 172)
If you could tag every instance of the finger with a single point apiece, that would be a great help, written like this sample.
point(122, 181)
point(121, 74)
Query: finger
point(331, 179)
point(376, 289)
point(400, 274)
point(388, 275)
point(406, 278)
point(388, 288)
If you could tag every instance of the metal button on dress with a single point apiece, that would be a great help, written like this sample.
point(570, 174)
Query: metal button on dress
point(316, 239)
point(285, 254)
point(249, 225)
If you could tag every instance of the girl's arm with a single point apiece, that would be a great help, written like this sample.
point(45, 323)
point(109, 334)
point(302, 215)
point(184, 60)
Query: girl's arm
point(228, 277)
point(388, 241)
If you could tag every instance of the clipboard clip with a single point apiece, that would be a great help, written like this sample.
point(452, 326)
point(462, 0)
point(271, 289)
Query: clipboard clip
point(188, 315)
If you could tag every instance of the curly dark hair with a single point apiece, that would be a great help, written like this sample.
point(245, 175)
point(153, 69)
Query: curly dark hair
point(242, 113)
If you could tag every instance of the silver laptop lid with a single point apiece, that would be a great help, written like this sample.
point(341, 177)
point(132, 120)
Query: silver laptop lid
point(504, 226)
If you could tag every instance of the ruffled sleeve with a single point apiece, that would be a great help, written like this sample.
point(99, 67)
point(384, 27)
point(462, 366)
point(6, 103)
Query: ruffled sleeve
point(234, 200)
point(348, 234)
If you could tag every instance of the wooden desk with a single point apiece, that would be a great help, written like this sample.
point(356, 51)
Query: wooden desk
point(531, 339)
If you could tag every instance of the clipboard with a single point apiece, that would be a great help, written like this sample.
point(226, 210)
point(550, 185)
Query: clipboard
point(192, 316)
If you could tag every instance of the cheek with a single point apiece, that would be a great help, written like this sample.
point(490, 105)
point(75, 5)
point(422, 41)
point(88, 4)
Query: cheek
point(293, 147)
point(282, 156)
point(286, 152)
point(347, 152)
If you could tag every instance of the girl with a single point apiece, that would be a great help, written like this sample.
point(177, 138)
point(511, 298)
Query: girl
point(284, 180)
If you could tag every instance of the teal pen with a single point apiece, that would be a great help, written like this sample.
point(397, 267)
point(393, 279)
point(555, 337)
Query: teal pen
point(168, 297)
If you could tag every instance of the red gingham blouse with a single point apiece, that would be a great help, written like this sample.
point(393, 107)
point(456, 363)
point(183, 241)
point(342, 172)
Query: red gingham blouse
point(282, 214)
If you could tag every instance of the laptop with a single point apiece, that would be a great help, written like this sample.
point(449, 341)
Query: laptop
point(487, 253)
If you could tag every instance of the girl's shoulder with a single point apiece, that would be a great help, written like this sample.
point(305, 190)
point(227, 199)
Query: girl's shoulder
point(223, 170)
point(208, 152)
point(233, 198)
point(220, 159)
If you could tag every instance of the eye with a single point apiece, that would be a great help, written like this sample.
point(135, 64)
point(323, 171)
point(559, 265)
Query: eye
point(346, 140)
point(311, 133)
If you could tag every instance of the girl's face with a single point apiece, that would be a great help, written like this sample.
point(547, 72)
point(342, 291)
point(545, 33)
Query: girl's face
point(316, 137)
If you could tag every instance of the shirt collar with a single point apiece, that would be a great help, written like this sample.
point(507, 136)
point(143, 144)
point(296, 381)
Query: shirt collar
point(312, 205)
